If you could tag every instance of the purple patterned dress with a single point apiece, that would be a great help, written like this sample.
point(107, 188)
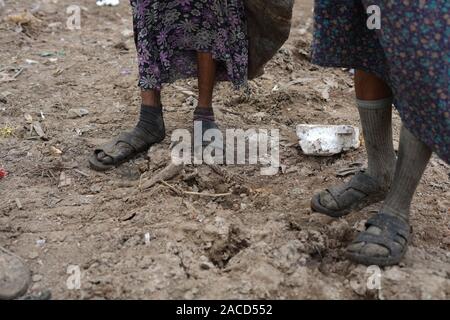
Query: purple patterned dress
point(169, 33)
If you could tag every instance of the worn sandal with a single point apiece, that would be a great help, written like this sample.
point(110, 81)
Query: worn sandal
point(137, 141)
point(360, 192)
point(394, 236)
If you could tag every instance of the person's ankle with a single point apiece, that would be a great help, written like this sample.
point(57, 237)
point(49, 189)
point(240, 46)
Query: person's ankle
point(397, 211)
point(204, 114)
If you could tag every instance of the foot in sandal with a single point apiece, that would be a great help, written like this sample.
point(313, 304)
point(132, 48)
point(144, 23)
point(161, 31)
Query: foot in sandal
point(383, 243)
point(205, 124)
point(385, 240)
point(361, 191)
point(149, 130)
point(14, 276)
point(372, 185)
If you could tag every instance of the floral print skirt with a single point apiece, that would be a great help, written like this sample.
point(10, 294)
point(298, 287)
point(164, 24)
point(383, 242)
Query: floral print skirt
point(410, 51)
point(169, 33)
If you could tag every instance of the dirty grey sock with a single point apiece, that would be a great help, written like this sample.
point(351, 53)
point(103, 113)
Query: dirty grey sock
point(412, 161)
point(376, 121)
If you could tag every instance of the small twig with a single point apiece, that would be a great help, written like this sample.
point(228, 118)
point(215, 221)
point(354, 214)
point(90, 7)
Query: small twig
point(204, 194)
point(82, 173)
point(18, 73)
point(167, 173)
point(173, 188)
point(225, 174)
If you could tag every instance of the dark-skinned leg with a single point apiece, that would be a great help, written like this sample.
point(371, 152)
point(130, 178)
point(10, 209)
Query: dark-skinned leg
point(204, 113)
point(151, 98)
point(206, 79)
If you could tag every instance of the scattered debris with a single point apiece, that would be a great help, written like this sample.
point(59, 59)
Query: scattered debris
point(29, 61)
point(37, 277)
point(3, 173)
point(294, 82)
point(147, 238)
point(82, 173)
point(77, 113)
point(127, 33)
point(24, 18)
point(121, 46)
point(28, 118)
point(36, 126)
point(351, 169)
point(55, 150)
point(48, 54)
point(41, 295)
point(18, 203)
point(111, 3)
point(64, 180)
point(5, 76)
point(327, 140)
point(165, 174)
point(6, 131)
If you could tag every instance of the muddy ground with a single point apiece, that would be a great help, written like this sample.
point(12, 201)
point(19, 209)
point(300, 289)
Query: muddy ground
point(261, 241)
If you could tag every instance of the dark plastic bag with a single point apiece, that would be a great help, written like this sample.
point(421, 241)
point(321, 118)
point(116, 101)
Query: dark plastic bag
point(269, 25)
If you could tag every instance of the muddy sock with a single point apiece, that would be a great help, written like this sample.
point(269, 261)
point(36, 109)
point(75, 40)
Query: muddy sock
point(376, 121)
point(412, 161)
point(150, 120)
point(204, 114)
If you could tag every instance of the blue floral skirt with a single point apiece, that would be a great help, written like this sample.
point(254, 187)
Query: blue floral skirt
point(410, 51)
point(169, 33)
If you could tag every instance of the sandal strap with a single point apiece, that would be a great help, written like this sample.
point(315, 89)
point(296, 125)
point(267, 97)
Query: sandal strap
point(393, 245)
point(359, 187)
point(390, 224)
point(135, 139)
point(394, 234)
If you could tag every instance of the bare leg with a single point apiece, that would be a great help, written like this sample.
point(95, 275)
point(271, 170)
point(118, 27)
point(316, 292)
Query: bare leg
point(151, 98)
point(206, 79)
point(370, 87)
point(204, 113)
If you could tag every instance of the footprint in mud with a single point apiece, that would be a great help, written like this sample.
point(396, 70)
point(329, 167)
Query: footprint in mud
point(224, 249)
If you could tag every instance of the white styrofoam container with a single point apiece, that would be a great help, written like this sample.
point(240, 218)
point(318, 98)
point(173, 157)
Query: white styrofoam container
point(327, 140)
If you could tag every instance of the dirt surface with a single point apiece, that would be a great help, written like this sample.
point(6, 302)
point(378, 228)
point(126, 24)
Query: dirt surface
point(262, 241)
